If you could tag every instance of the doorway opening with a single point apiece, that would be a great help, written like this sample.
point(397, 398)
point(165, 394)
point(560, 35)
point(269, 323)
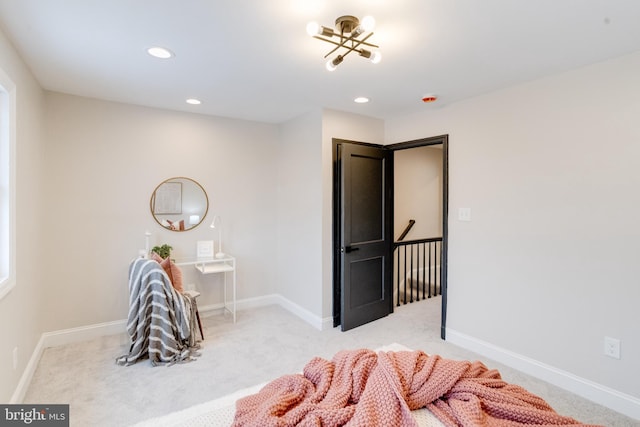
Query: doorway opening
point(420, 221)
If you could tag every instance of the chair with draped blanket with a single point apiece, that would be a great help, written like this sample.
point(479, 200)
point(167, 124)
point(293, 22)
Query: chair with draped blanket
point(161, 321)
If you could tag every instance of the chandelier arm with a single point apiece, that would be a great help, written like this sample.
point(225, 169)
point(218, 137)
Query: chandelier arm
point(340, 44)
point(354, 47)
point(345, 40)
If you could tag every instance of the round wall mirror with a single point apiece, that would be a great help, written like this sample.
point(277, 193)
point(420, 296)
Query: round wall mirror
point(179, 204)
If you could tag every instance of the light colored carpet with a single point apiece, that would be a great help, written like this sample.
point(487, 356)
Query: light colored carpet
point(264, 343)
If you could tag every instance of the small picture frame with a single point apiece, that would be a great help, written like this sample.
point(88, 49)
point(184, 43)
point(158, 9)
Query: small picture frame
point(204, 249)
point(167, 199)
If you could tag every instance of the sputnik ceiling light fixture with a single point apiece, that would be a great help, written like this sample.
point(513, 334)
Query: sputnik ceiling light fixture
point(351, 36)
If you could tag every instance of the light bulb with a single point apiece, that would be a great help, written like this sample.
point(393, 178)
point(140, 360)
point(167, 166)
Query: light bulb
point(368, 23)
point(355, 33)
point(313, 28)
point(333, 64)
point(376, 57)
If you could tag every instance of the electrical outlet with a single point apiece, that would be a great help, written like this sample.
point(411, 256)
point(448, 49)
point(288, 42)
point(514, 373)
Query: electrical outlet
point(612, 347)
point(15, 358)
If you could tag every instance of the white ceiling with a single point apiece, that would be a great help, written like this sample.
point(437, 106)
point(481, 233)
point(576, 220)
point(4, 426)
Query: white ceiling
point(252, 59)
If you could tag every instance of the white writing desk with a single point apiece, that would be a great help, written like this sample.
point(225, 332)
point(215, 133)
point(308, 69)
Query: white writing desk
point(224, 265)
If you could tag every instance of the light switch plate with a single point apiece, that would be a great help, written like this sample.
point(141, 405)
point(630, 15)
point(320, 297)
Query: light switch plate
point(464, 214)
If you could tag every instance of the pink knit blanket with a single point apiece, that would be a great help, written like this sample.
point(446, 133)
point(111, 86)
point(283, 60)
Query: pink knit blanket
point(364, 389)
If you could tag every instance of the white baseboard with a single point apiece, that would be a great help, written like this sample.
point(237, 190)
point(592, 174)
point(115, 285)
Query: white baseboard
point(84, 333)
point(57, 338)
point(315, 321)
point(598, 393)
point(618, 401)
point(275, 299)
point(27, 374)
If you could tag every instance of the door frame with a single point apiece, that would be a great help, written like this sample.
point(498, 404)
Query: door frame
point(436, 140)
point(444, 141)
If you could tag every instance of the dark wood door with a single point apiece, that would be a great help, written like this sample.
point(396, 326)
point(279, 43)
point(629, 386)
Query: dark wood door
point(365, 233)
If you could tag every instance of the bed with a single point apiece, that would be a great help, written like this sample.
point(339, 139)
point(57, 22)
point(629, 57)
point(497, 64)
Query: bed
point(391, 386)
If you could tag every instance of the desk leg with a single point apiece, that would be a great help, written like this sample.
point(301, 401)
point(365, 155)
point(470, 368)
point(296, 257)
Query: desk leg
point(234, 292)
point(225, 292)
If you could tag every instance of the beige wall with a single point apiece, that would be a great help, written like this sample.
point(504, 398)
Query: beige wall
point(105, 159)
point(548, 266)
point(21, 309)
point(298, 245)
point(418, 192)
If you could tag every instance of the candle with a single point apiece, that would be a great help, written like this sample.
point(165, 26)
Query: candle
point(146, 244)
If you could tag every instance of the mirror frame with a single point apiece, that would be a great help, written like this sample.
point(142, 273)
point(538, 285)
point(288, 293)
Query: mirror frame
point(181, 180)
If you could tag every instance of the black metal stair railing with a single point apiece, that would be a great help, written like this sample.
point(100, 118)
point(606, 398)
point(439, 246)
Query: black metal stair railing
point(417, 269)
point(407, 229)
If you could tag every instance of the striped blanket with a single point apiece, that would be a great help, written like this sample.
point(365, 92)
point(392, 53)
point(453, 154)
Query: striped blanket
point(161, 322)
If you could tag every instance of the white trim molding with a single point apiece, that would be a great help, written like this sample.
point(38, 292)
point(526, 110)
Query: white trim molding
point(315, 321)
point(83, 333)
point(274, 299)
point(598, 393)
point(58, 338)
point(27, 374)
point(8, 108)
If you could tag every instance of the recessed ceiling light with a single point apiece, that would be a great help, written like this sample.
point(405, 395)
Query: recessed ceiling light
point(159, 52)
point(361, 100)
point(194, 101)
